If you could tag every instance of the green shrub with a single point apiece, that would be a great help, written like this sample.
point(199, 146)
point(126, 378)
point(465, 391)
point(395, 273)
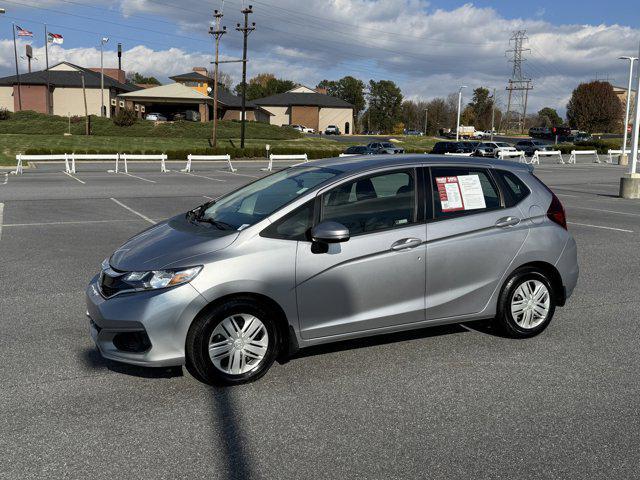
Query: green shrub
point(125, 118)
point(5, 114)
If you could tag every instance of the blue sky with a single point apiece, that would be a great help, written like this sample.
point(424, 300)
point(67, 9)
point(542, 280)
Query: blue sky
point(428, 48)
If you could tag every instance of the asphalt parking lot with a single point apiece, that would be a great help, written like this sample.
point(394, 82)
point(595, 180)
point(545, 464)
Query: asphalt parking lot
point(446, 402)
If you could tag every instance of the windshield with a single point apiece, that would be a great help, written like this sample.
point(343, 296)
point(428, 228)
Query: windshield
point(260, 199)
point(387, 145)
point(503, 144)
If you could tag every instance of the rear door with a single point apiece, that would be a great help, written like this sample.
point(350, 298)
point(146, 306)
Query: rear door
point(471, 240)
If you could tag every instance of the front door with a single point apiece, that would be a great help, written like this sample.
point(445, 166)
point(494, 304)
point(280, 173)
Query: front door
point(471, 242)
point(376, 278)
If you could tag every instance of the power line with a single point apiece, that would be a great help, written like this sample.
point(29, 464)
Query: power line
point(518, 86)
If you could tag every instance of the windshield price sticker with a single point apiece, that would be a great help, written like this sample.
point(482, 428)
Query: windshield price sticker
point(462, 192)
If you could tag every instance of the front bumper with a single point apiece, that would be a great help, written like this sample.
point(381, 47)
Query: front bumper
point(161, 317)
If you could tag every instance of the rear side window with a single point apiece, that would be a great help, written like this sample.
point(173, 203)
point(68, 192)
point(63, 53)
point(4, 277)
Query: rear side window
point(515, 190)
point(459, 191)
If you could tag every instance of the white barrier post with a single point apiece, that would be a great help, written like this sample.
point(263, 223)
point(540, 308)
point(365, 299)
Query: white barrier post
point(233, 170)
point(502, 154)
point(126, 168)
point(611, 153)
point(270, 166)
point(67, 168)
point(575, 153)
point(163, 165)
point(18, 164)
point(187, 169)
point(73, 163)
point(545, 153)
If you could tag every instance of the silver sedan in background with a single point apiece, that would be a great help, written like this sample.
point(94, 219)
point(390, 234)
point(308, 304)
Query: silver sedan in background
point(335, 249)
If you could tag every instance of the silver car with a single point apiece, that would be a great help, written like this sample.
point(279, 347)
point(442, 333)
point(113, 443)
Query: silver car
point(335, 249)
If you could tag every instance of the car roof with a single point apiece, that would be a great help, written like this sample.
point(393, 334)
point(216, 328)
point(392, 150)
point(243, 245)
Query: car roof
point(355, 164)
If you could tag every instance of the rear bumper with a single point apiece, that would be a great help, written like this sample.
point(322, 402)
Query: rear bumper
point(145, 328)
point(568, 268)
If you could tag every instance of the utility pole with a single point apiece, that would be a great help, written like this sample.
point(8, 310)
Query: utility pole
point(518, 86)
point(246, 30)
point(217, 33)
point(86, 114)
point(630, 183)
point(15, 53)
point(493, 113)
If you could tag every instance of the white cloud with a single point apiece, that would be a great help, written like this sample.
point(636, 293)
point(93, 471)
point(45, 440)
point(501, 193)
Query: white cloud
point(427, 50)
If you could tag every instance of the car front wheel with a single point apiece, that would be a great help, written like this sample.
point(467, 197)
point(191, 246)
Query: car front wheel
point(527, 304)
point(233, 343)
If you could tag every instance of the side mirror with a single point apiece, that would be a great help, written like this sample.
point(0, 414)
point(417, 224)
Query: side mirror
point(330, 232)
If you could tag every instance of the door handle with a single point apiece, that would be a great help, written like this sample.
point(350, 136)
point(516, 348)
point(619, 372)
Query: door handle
point(406, 243)
point(507, 222)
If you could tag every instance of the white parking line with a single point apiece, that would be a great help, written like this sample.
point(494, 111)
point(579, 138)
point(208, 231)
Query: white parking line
point(600, 226)
point(139, 178)
point(1, 216)
point(6, 179)
point(606, 211)
point(71, 222)
point(134, 212)
point(238, 174)
point(75, 178)
point(202, 176)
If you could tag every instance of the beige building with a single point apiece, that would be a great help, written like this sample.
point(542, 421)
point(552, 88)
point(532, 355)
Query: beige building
point(65, 91)
point(304, 106)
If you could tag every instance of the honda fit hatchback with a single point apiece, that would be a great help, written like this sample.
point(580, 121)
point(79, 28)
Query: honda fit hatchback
point(331, 250)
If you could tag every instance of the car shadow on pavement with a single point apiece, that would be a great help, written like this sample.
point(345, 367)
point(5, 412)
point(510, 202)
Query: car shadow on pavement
point(92, 359)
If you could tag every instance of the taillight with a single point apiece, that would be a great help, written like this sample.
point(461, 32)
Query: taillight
point(556, 212)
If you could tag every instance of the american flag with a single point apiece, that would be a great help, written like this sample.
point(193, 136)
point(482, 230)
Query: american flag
point(23, 33)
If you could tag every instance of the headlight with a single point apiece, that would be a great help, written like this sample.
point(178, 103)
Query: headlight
point(160, 278)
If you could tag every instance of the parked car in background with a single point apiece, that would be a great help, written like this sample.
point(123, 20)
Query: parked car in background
point(416, 133)
point(296, 127)
point(530, 146)
point(192, 116)
point(441, 148)
point(155, 117)
point(582, 137)
point(482, 134)
point(484, 150)
point(348, 243)
point(307, 129)
point(332, 130)
point(539, 132)
point(499, 146)
point(385, 147)
point(358, 150)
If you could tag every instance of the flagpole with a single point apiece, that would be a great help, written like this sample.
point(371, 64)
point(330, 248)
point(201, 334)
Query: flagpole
point(46, 54)
point(15, 53)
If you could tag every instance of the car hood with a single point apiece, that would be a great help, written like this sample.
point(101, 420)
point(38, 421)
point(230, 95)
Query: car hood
point(170, 244)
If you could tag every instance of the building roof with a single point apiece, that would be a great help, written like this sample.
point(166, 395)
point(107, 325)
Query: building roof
point(197, 76)
point(66, 78)
point(172, 91)
point(288, 99)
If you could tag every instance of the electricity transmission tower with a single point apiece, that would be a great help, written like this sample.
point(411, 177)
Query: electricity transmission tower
point(518, 86)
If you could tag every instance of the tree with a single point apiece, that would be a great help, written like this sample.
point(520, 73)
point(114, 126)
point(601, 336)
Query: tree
point(135, 78)
point(385, 101)
point(265, 85)
point(349, 89)
point(548, 117)
point(478, 111)
point(594, 107)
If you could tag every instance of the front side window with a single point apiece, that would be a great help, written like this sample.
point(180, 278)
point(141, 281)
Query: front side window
point(372, 203)
point(293, 226)
point(459, 191)
point(258, 200)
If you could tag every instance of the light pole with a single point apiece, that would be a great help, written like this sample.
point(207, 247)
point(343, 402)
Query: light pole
point(459, 107)
point(426, 121)
point(630, 183)
point(624, 159)
point(103, 41)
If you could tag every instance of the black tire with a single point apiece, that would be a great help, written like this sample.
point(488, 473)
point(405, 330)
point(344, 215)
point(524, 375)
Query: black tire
point(197, 344)
point(505, 320)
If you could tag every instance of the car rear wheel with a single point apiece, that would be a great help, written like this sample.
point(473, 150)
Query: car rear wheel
point(233, 343)
point(527, 304)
